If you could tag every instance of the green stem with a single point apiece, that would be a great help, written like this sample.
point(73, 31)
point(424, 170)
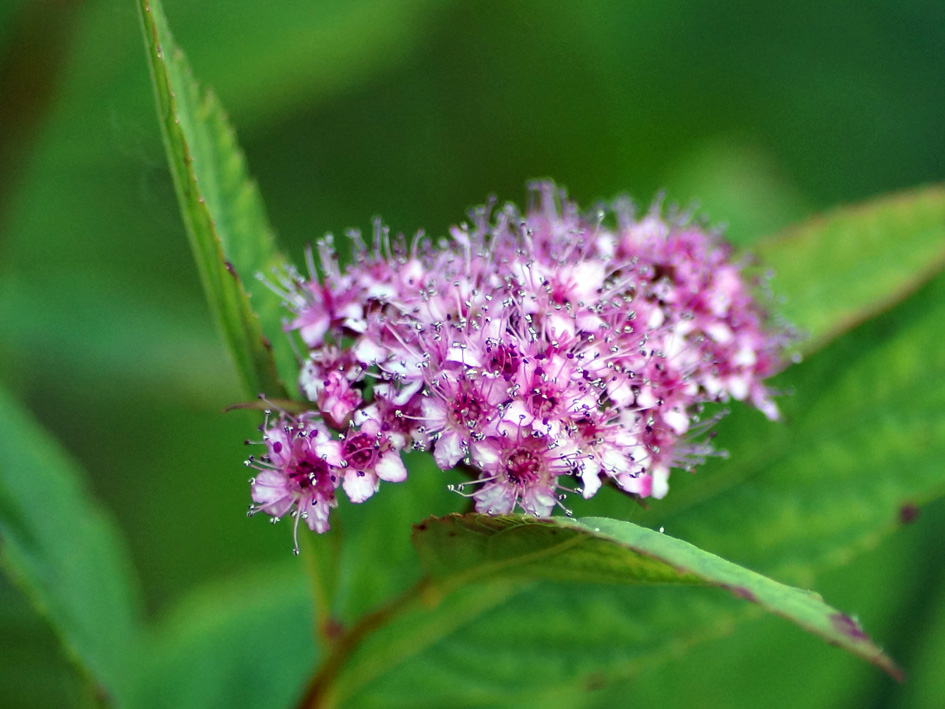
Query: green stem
point(318, 694)
point(322, 555)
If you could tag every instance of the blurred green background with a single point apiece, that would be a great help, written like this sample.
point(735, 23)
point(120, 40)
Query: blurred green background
point(413, 110)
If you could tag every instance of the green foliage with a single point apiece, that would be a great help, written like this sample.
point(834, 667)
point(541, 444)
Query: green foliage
point(763, 658)
point(863, 260)
point(561, 639)
point(229, 232)
point(598, 550)
point(207, 652)
point(65, 553)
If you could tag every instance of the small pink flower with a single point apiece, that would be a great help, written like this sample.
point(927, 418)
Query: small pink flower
point(457, 410)
point(327, 378)
point(520, 468)
point(369, 454)
point(299, 473)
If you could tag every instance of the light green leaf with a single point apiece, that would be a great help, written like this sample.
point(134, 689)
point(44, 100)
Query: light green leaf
point(229, 232)
point(474, 547)
point(66, 554)
point(839, 269)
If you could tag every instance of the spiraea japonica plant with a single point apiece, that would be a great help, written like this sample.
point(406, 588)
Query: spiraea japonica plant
point(549, 356)
point(481, 439)
point(545, 352)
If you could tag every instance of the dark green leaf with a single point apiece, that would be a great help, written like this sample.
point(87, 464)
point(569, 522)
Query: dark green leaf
point(229, 232)
point(842, 268)
point(770, 661)
point(246, 642)
point(445, 646)
point(66, 554)
point(513, 643)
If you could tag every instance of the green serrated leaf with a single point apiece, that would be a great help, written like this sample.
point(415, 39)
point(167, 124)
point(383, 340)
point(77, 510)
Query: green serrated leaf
point(66, 554)
point(475, 547)
point(839, 269)
point(229, 232)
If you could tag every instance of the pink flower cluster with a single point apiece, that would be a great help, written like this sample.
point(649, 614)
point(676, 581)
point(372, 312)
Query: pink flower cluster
point(542, 352)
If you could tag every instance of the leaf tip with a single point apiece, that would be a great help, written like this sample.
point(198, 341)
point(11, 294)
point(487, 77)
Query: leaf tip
point(843, 623)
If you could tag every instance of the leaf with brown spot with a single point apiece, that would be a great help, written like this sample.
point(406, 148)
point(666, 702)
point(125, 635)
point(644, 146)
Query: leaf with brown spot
point(461, 549)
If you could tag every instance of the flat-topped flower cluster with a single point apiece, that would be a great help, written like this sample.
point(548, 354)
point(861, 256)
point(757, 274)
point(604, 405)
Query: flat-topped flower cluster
point(543, 352)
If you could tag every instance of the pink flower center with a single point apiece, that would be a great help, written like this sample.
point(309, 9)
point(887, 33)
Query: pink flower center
point(522, 467)
point(307, 474)
point(466, 410)
point(502, 360)
point(543, 404)
point(360, 451)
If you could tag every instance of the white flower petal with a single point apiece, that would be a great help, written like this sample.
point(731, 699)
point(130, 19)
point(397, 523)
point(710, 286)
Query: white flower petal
point(495, 499)
point(590, 477)
point(359, 486)
point(391, 468)
point(448, 450)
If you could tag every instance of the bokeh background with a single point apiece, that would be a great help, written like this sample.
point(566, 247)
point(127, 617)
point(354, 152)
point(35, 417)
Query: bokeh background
point(416, 110)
